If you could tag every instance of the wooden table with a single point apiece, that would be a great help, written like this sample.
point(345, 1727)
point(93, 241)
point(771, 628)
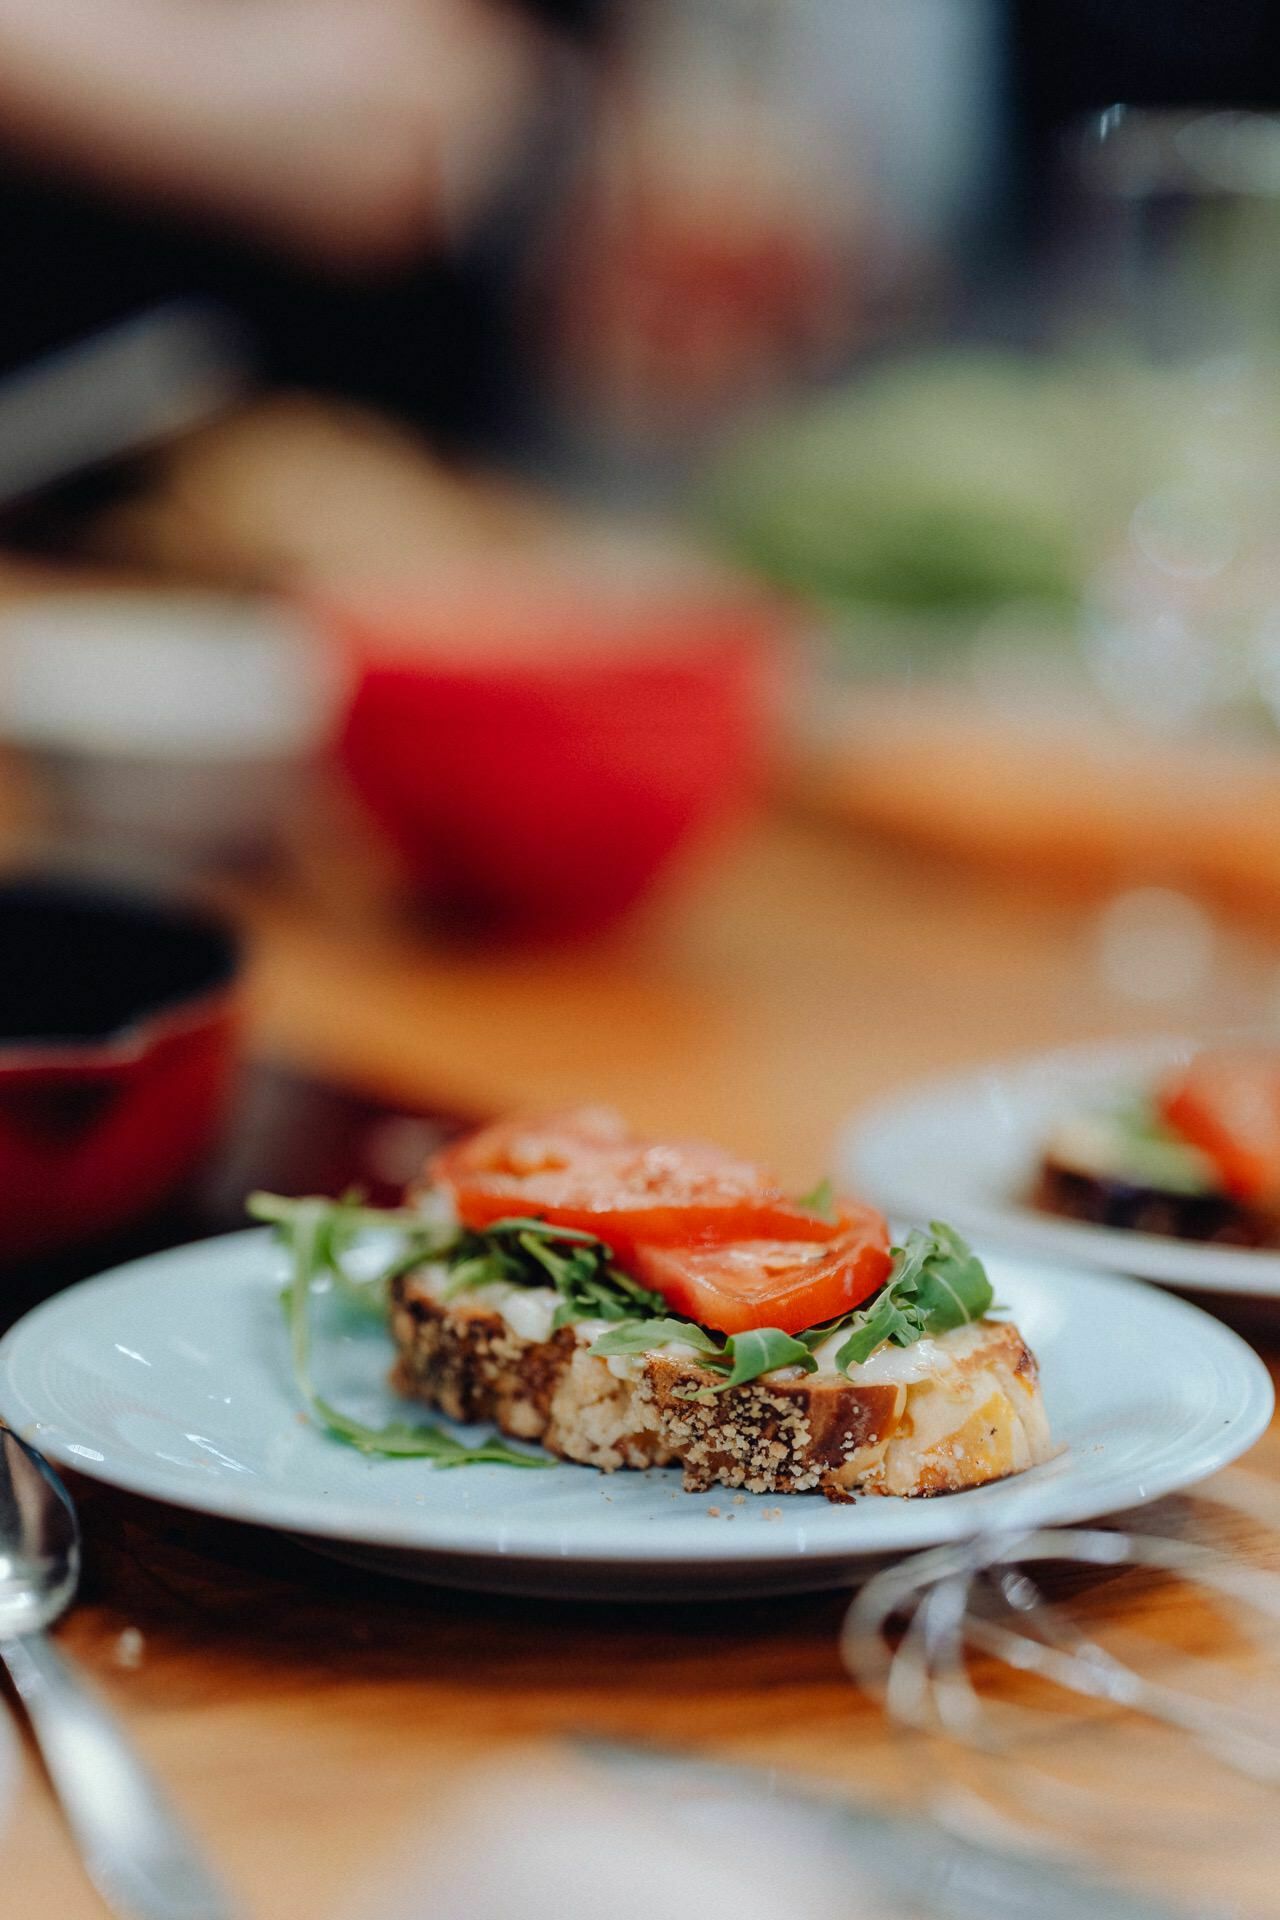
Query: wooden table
point(303, 1715)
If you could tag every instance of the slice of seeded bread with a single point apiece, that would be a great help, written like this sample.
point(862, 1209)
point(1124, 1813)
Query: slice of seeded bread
point(972, 1413)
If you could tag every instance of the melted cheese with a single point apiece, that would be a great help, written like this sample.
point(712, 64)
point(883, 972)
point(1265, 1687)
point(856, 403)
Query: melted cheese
point(528, 1312)
point(902, 1366)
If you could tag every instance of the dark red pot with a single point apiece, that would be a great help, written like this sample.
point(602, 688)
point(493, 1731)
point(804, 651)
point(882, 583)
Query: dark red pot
point(118, 1025)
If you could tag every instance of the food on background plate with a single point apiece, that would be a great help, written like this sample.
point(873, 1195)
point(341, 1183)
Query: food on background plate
point(1198, 1158)
point(636, 1303)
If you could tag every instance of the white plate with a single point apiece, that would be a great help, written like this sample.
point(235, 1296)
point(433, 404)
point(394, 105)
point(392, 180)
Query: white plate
point(8, 1771)
point(169, 1377)
point(966, 1149)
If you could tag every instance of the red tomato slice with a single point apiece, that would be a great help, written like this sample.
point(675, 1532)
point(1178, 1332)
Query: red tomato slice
point(583, 1169)
point(1228, 1105)
point(772, 1283)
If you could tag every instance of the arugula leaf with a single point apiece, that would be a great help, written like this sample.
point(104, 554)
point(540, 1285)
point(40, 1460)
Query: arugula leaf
point(937, 1283)
point(760, 1351)
point(278, 1209)
point(821, 1201)
point(334, 1227)
point(741, 1358)
point(528, 1252)
point(588, 1296)
point(953, 1288)
point(638, 1336)
point(403, 1440)
point(316, 1233)
point(890, 1318)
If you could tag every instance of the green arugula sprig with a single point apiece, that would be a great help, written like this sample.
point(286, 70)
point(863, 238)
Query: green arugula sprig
point(937, 1283)
point(527, 1252)
point(741, 1357)
point(336, 1225)
point(317, 1234)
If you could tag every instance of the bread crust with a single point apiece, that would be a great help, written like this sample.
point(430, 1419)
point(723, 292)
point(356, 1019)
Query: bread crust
point(1213, 1218)
point(979, 1419)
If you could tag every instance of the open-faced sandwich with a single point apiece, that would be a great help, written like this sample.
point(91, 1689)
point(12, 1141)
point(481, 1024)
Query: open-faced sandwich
point(1198, 1157)
point(639, 1303)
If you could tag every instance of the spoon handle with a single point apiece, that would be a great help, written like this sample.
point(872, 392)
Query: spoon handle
point(132, 1845)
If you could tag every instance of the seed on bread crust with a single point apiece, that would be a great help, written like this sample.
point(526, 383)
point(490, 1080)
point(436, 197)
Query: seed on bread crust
point(786, 1437)
point(471, 1366)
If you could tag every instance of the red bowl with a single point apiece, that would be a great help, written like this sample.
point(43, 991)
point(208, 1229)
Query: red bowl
point(538, 761)
point(117, 1047)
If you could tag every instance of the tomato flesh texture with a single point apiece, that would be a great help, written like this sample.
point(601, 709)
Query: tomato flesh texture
point(771, 1282)
point(1228, 1105)
point(584, 1171)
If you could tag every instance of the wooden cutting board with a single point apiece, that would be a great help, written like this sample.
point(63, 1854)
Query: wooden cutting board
point(1064, 795)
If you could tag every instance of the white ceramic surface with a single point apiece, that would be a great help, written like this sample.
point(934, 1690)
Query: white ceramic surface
point(965, 1149)
point(179, 724)
point(169, 1377)
point(9, 1763)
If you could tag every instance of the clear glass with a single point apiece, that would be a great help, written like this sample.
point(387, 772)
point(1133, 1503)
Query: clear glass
point(768, 188)
point(1167, 292)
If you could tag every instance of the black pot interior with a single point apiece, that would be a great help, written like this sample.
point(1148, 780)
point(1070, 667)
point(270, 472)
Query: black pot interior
point(80, 961)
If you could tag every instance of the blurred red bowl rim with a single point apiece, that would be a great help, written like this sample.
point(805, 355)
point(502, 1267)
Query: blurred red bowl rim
point(532, 628)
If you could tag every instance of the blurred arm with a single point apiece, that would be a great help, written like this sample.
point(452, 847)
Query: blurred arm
point(357, 130)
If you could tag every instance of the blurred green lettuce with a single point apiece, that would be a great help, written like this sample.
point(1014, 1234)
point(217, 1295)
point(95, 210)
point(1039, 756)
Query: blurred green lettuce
point(953, 484)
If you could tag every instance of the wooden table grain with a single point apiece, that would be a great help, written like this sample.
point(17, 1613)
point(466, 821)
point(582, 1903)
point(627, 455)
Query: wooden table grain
point(305, 1715)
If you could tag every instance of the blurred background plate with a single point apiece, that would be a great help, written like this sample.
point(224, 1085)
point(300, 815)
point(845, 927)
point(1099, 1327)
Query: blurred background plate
point(174, 725)
point(966, 1149)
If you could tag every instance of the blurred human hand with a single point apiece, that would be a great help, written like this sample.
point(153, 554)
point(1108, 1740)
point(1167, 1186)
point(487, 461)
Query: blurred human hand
point(352, 130)
point(360, 128)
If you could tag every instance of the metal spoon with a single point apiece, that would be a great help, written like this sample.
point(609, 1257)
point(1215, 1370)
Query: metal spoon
point(133, 1848)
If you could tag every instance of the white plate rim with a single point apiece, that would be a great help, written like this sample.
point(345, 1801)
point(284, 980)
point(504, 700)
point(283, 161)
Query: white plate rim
point(1024, 1502)
point(872, 1157)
